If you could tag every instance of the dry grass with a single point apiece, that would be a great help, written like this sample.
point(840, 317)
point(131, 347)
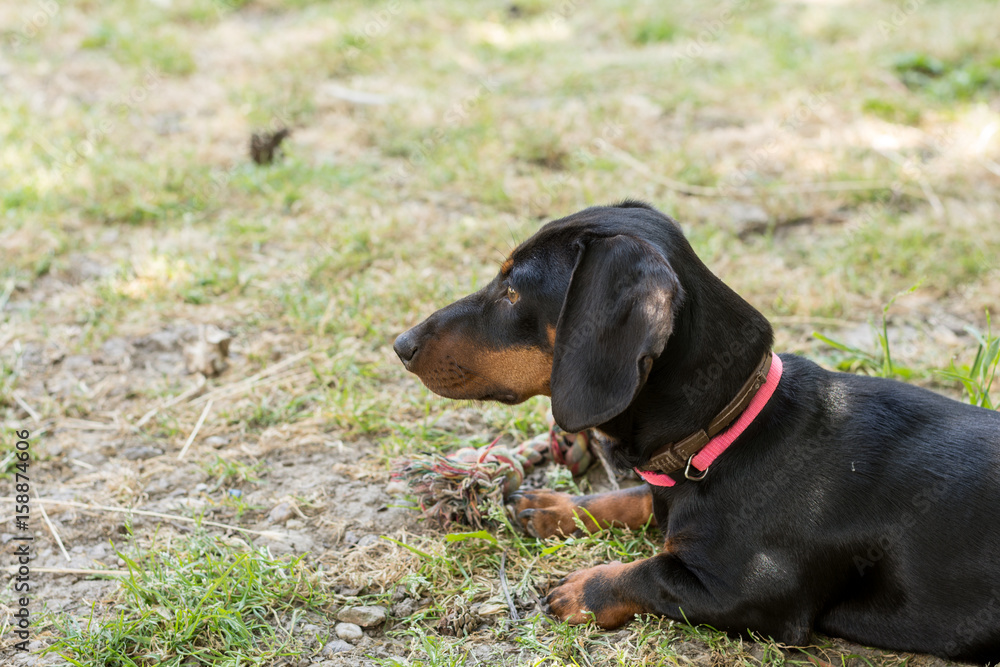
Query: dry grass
point(428, 138)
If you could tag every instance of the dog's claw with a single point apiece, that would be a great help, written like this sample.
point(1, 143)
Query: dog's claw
point(524, 519)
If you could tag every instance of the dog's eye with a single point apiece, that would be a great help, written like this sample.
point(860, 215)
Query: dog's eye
point(512, 294)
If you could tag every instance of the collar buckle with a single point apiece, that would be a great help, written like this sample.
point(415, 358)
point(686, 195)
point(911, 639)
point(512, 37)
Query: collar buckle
point(687, 471)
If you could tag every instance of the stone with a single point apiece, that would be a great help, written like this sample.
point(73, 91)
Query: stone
point(397, 487)
point(336, 646)
point(368, 540)
point(280, 513)
point(404, 608)
point(309, 629)
point(349, 632)
point(366, 616)
point(140, 452)
point(98, 551)
point(208, 354)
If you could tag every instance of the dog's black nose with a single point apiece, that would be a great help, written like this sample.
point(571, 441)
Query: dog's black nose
point(405, 347)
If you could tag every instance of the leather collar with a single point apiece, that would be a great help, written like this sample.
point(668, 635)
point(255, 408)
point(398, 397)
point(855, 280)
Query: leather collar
point(677, 455)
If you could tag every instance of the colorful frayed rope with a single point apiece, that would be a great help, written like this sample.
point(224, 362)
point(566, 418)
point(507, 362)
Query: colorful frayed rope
point(459, 487)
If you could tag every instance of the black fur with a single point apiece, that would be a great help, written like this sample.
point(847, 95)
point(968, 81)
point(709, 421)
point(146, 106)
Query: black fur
point(862, 508)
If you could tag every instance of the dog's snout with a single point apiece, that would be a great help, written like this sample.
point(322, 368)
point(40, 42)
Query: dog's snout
point(406, 347)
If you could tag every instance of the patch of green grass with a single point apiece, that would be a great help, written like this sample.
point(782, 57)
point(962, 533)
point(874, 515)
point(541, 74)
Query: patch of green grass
point(9, 375)
point(894, 111)
point(203, 602)
point(879, 362)
point(654, 29)
point(213, 279)
point(962, 79)
point(165, 52)
point(232, 472)
point(977, 377)
point(274, 411)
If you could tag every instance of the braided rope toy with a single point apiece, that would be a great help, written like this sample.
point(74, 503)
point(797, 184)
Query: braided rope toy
point(455, 488)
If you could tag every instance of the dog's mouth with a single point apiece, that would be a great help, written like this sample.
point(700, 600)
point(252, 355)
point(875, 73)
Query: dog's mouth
point(505, 397)
point(452, 380)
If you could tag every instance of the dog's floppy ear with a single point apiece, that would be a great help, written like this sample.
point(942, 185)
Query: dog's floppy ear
point(615, 320)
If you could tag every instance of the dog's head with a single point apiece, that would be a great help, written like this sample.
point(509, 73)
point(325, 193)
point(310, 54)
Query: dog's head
point(579, 312)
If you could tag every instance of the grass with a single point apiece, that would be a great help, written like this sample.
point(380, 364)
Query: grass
point(977, 378)
point(130, 206)
point(202, 602)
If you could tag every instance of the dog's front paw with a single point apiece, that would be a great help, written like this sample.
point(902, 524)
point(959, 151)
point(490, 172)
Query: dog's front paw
point(544, 513)
point(591, 595)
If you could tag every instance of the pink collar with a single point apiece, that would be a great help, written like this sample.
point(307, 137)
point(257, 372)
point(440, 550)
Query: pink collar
point(721, 442)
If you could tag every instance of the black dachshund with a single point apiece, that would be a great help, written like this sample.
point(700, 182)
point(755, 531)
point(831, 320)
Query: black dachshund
point(791, 498)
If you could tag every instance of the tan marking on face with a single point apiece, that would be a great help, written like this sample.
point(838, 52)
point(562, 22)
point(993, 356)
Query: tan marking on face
point(525, 370)
point(455, 367)
point(507, 265)
point(551, 332)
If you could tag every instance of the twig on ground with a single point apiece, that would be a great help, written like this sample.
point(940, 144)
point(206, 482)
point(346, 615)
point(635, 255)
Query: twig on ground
point(247, 383)
point(194, 433)
point(71, 570)
point(52, 528)
point(158, 515)
point(7, 291)
point(199, 384)
point(27, 408)
point(922, 182)
point(629, 160)
point(506, 591)
point(598, 448)
point(86, 425)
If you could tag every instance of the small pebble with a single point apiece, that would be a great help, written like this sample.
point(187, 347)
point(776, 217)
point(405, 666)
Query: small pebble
point(404, 608)
point(396, 487)
point(349, 632)
point(366, 616)
point(141, 452)
point(367, 539)
point(336, 646)
point(281, 513)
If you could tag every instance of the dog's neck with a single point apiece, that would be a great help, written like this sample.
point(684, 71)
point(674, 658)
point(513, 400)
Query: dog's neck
point(717, 342)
